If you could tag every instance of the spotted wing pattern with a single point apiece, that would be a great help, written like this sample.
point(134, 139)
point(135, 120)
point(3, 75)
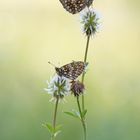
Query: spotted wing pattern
point(75, 6)
point(71, 70)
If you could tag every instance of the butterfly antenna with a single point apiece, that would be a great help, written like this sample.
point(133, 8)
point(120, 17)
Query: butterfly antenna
point(51, 64)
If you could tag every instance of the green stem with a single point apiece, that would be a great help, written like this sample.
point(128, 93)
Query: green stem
point(83, 75)
point(54, 118)
point(82, 119)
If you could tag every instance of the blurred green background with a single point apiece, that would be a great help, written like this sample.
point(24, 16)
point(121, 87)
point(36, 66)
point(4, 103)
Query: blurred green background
point(33, 32)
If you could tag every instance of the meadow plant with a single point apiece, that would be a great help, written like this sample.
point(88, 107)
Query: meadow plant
point(66, 81)
point(58, 87)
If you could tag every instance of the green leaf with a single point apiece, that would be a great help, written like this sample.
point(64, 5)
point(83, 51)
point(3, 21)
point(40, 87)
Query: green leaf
point(72, 114)
point(84, 113)
point(56, 133)
point(58, 127)
point(49, 126)
point(76, 113)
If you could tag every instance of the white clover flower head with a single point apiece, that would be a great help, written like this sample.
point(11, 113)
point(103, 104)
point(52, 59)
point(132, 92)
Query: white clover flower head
point(89, 20)
point(58, 87)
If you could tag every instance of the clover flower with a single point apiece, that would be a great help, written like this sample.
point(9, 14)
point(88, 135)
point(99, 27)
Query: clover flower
point(77, 88)
point(89, 21)
point(58, 87)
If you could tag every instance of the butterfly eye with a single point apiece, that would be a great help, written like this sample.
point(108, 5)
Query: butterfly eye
point(58, 71)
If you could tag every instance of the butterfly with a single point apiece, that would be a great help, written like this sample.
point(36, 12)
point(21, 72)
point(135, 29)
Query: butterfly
point(71, 70)
point(75, 6)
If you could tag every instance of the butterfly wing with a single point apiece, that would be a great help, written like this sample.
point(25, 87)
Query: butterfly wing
point(72, 70)
point(73, 6)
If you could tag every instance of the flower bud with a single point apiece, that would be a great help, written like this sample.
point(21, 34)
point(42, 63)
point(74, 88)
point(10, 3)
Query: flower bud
point(77, 88)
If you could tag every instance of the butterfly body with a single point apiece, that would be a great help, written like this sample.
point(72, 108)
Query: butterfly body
point(71, 70)
point(75, 6)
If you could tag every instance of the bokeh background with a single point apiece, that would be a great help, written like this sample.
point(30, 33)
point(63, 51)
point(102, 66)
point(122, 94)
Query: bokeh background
point(33, 32)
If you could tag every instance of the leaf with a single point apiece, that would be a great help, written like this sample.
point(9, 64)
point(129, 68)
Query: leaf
point(84, 113)
point(58, 127)
point(56, 133)
point(76, 113)
point(49, 126)
point(72, 114)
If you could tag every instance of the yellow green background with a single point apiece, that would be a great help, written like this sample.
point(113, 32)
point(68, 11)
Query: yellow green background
point(33, 32)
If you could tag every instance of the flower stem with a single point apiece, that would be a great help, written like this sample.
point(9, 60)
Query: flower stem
point(54, 118)
point(82, 119)
point(83, 75)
